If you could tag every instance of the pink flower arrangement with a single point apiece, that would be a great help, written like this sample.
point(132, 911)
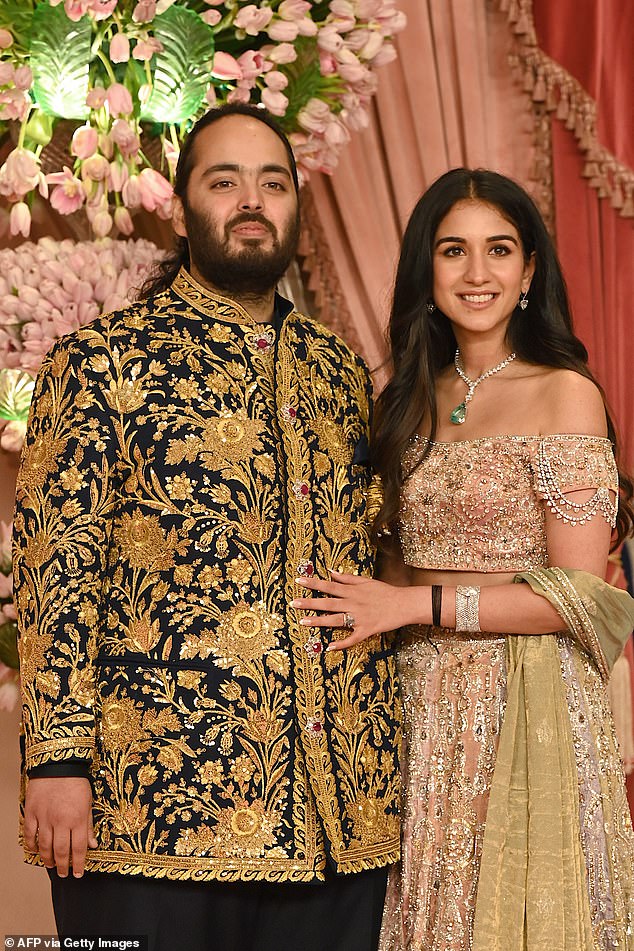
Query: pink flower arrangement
point(311, 65)
point(53, 287)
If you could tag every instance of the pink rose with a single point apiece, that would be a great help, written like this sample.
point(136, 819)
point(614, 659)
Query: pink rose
point(20, 219)
point(119, 100)
point(84, 142)
point(253, 19)
point(119, 48)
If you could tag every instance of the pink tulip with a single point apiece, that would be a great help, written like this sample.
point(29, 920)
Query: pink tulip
point(84, 142)
point(276, 80)
point(283, 31)
point(239, 95)
point(372, 47)
point(6, 40)
point(280, 54)
point(123, 220)
point(7, 72)
point(327, 63)
point(20, 219)
point(119, 48)
point(131, 192)
point(14, 105)
point(101, 9)
point(96, 97)
point(102, 224)
point(342, 8)
point(211, 17)
point(368, 9)
point(95, 168)
point(336, 135)
point(117, 176)
point(252, 64)
point(146, 48)
point(154, 189)
point(315, 116)
point(9, 696)
point(307, 27)
point(19, 174)
point(387, 54)
point(225, 66)
point(171, 153)
point(68, 196)
point(119, 100)
point(293, 9)
point(275, 102)
point(329, 40)
point(23, 78)
point(125, 138)
point(74, 9)
point(253, 19)
point(144, 11)
point(12, 440)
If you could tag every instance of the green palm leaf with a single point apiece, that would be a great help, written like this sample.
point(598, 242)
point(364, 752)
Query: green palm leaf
point(16, 390)
point(60, 57)
point(181, 71)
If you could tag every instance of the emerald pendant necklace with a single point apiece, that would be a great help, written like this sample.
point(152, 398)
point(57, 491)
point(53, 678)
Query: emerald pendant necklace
point(459, 414)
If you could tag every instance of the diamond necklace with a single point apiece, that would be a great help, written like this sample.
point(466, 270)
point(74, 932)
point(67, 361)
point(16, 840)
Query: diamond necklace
point(459, 414)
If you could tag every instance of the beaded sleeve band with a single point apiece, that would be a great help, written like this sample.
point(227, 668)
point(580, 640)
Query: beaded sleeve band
point(468, 609)
point(573, 513)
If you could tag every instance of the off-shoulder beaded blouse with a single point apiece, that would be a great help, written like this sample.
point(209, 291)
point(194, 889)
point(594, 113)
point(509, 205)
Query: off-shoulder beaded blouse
point(479, 504)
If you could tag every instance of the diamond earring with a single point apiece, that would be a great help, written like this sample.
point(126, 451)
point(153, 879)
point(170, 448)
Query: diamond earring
point(431, 307)
point(523, 301)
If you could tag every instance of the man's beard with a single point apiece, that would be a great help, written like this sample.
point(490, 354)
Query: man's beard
point(250, 271)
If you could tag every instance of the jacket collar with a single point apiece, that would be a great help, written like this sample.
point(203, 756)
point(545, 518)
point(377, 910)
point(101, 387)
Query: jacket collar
point(224, 308)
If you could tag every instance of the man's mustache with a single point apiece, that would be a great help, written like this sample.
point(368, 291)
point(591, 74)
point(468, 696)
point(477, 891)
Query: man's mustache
point(246, 218)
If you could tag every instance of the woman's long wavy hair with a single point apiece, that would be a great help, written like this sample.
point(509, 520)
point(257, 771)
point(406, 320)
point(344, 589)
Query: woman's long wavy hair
point(164, 271)
point(423, 343)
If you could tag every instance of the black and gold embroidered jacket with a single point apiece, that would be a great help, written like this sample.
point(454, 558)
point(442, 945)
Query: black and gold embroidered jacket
point(183, 466)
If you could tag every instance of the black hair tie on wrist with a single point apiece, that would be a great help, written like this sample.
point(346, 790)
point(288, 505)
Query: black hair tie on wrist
point(436, 604)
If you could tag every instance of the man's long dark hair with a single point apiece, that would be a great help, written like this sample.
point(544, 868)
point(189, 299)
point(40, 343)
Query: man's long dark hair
point(422, 344)
point(165, 270)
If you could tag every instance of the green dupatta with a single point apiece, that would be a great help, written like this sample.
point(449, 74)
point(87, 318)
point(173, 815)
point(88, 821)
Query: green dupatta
point(532, 891)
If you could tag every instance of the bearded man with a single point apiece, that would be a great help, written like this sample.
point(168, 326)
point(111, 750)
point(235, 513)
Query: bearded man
point(207, 772)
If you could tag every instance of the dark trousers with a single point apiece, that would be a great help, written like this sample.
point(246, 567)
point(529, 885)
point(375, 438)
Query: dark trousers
point(341, 914)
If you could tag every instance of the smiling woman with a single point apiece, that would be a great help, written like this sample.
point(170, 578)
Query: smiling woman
point(515, 829)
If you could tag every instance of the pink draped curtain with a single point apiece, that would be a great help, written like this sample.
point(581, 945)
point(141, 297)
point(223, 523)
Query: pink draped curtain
point(448, 100)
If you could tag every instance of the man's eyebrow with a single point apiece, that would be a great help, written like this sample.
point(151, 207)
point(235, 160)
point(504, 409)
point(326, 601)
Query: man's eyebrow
point(234, 167)
point(494, 237)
